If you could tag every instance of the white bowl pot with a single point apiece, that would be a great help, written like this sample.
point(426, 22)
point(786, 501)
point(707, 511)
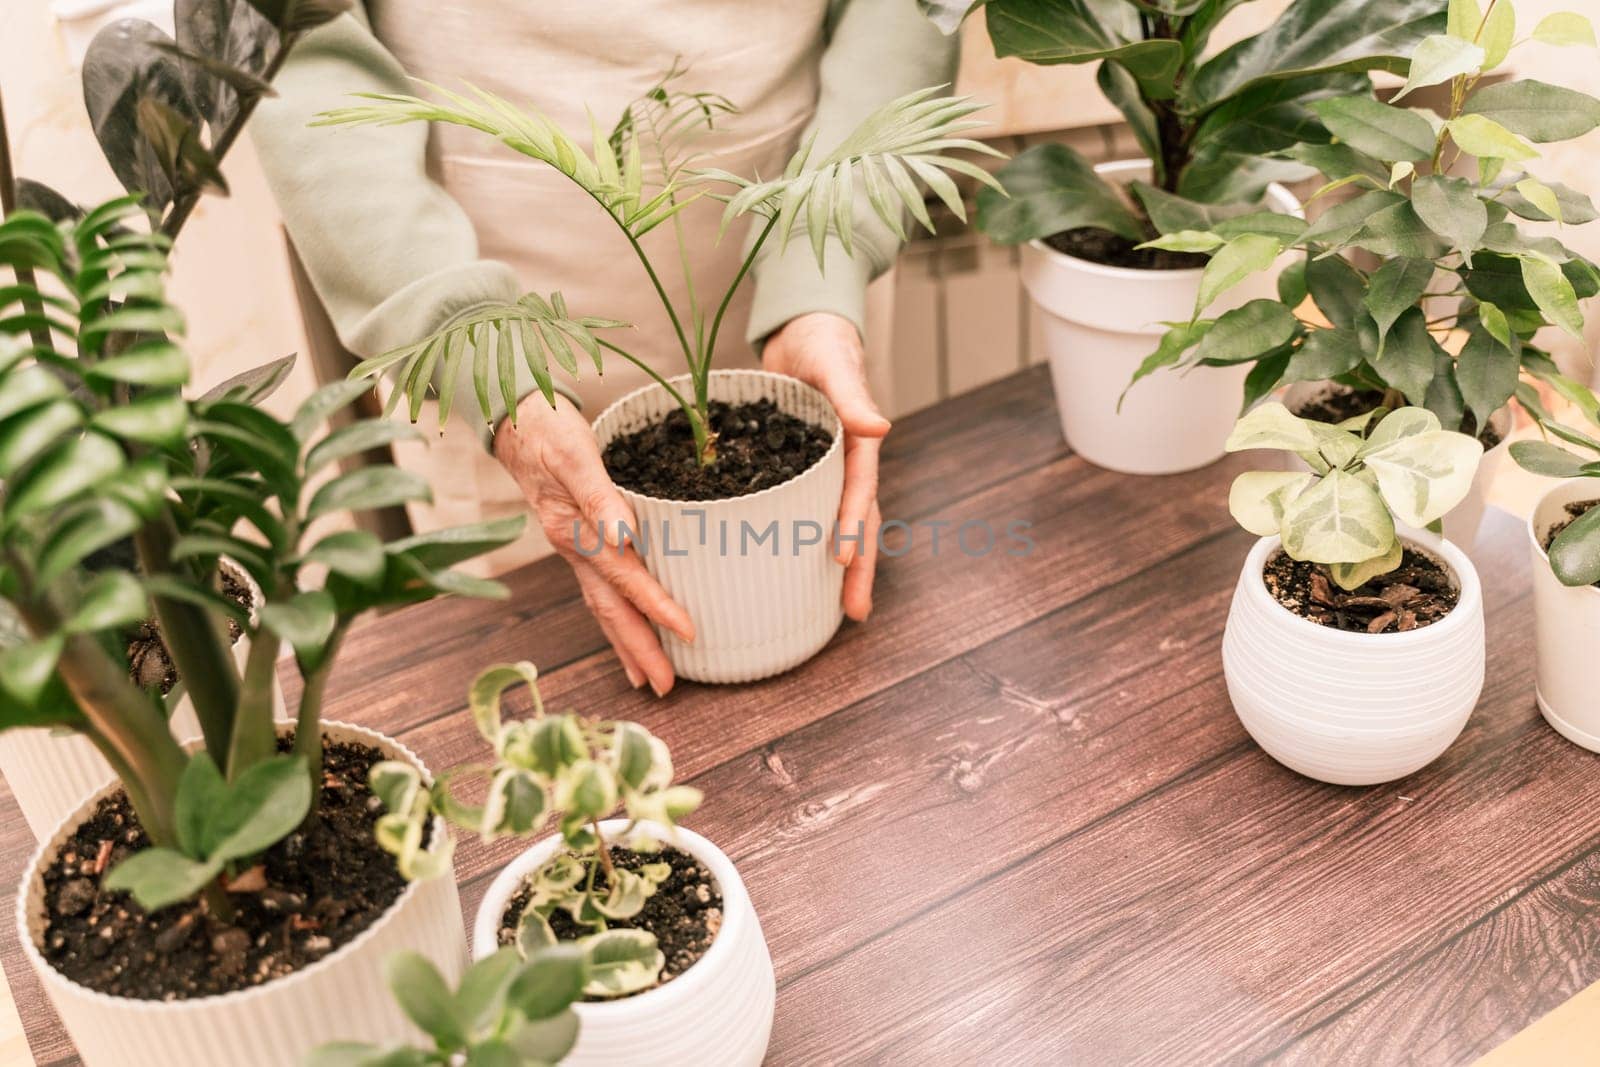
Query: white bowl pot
point(49, 771)
point(342, 996)
point(1567, 627)
point(1463, 521)
point(1353, 708)
point(755, 573)
point(719, 1011)
point(1097, 323)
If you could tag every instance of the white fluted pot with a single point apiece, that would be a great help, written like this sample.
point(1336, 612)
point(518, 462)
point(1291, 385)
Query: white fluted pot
point(1097, 324)
point(1462, 523)
point(49, 771)
point(1567, 628)
point(340, 997)
point(1353, 708)
point(719, 1011)
point(760, 605)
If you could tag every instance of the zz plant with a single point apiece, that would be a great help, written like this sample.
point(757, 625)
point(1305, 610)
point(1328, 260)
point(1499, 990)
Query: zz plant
point(99, 445)
point(1366, 474)
point(641, 175)
point(506, 1012)
point(571, 772)
point(1217, 126)
point(1456, 258)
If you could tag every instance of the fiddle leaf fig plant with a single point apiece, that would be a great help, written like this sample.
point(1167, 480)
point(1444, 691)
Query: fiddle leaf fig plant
point(1447, 319)
point(570, 772)
point(506, 1012)
point(1218, 125)
point(639, 175)
point(1366, 474)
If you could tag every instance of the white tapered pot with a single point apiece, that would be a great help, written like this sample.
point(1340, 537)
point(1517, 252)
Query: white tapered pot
point(1463, 522)
point(1567, 628)
point(1097, 323)
point(719, 1011)
point(49, 771)
point(1353, 708)
point(755, 573)
point(342, 996)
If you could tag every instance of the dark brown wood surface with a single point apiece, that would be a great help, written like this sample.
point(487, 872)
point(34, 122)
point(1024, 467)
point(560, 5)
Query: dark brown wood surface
point(1013, 819)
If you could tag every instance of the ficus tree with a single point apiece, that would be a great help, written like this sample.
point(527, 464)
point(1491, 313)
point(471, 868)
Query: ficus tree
point(641, 173)
point(507, 1011)
point(1365, 474)
point(1465, 278)
point(1218, 125)
point(569, 772)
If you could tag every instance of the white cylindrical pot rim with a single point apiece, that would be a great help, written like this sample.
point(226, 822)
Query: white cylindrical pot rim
point(1467, 585)
point(1276, 193)
point(1567, 490)
point(735, 912)
point(836, 428)
point(33, 874)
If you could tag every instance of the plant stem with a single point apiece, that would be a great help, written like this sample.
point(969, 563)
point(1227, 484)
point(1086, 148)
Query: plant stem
point(727, 298)
point(697, 422)
point(198, 646)
point(604, 852)
point(255, 736)
point(308, 717)
point(38, 333)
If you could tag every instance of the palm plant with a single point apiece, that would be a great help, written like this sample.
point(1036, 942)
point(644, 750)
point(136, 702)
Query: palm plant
point(641, 175)
point(1210, 123)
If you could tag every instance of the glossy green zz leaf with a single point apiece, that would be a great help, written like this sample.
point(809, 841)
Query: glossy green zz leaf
point(1575, 553)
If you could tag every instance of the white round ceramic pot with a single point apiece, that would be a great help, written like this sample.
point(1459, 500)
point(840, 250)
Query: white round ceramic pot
point(340, 997)
point(50, 771)
point(755, 573)
point(719, 1011)
point(1353, 708)
point(1461, 525)
point(1097, 324)
point(1567, 627)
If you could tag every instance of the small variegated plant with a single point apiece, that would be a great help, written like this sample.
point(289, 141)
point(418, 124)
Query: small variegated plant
point(570, 772)
point(507, 1012)
point(640, 173)
point(1366, 473)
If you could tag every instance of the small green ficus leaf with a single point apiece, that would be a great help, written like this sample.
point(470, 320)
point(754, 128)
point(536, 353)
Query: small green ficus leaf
point(1234, 262)
point(1439, 58)
point(1553, 293)
point(1565, 28)
point(1552, 461)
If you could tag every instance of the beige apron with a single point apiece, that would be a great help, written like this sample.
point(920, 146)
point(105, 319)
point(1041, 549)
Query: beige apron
point(557, 56)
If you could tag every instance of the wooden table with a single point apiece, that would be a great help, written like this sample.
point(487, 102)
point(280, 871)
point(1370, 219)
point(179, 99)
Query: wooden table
point(1013, 819)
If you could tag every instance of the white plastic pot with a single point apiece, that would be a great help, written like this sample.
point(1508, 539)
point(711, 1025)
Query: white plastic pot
point(1353, 708)
point(755, 573)
point(1567, 628)
point(1461, 525)
point(50, 771)
point(719, 1011)
point(1097, 323)
point(340, 997)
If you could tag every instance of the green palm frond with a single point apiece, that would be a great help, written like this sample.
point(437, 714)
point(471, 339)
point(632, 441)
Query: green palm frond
point(668, 122)
point(907, 140)
point(615, 179)
point(493, 337)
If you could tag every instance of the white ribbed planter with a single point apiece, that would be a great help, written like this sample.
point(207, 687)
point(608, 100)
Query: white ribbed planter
point(759, 606)
point(719, 1011)
point(1098, 323)
point(1351, 708)
point(50, 772)
point(340, 997)
point(1567, 622)
point(1462, 523)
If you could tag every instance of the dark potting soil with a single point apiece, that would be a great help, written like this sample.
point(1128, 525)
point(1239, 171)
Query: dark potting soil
point(684, 913)
point(1114, 250)
point(1335, 405)
point(758, 446)
point(1576, 509)
point(1413, 595)
point(149, 664)
point(310, 893)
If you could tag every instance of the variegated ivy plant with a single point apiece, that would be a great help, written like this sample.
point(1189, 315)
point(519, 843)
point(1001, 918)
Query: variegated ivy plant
point(570, 772)
point(641, 175)
point(1365, 474)
point(1457, 262)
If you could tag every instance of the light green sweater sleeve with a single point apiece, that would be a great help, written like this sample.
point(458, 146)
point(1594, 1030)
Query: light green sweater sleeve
point(879, 50)
point(391, 254)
